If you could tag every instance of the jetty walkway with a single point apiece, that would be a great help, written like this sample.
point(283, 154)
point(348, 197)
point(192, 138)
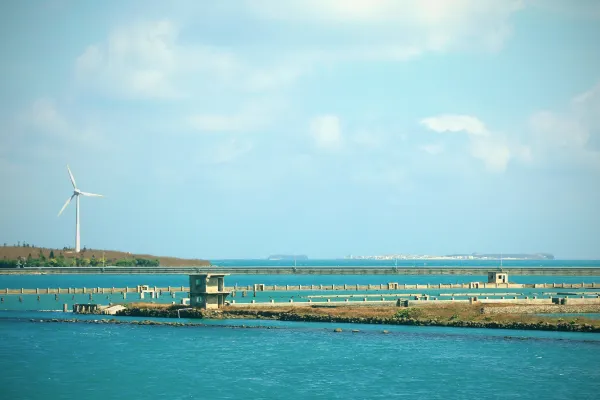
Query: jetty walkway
point(316, 270)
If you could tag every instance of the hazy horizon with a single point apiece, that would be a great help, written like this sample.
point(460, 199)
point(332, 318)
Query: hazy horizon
point(248, 128)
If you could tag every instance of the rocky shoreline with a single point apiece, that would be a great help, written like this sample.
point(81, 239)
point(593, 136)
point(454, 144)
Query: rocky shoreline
point(396, 319)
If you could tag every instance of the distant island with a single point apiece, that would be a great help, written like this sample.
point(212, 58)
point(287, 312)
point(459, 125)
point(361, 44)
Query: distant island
point(29, 256)
point(472, 256)
point(286, 257)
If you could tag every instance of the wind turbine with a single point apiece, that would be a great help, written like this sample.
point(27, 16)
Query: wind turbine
point(76, 193)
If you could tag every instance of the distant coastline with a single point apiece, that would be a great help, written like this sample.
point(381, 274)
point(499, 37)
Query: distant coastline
point(472, 256)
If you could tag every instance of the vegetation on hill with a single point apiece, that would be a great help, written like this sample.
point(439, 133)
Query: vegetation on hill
point(26, 255)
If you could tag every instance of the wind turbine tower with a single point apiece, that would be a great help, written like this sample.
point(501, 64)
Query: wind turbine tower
point(76, 194)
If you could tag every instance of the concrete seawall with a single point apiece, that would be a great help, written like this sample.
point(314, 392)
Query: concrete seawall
point(282, 288)
point(543, 309)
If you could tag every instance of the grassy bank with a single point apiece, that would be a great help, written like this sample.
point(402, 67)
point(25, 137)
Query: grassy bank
point(451, 315)
point(29, 256)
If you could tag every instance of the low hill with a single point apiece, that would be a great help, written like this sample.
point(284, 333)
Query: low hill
point(110, 256)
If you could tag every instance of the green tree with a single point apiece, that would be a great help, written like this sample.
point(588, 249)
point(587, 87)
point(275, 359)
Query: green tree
point(51, 253)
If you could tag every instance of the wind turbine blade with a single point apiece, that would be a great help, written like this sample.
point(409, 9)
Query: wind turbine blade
point(72, 179)
point(90, 194)
point(65, 206)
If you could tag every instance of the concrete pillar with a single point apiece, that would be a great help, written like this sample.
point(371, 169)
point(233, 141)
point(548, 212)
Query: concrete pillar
point(65, 307)
point(287, 287)
point(346, 300)
point(253, 301)
point(345, 286)
point(364, 299)
point(321, 287)
point(141, 295)
point(357, 287)
point(272, 301)
point(329, 300)
point(310, 300)
point(124, 295)
point(291, 300)
point(37, 291)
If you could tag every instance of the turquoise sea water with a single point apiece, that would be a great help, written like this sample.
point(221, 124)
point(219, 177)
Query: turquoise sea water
point(293, 361)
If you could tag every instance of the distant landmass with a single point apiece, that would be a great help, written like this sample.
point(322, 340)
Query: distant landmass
point(472, 256)
point(287, 257)
point(507, 256)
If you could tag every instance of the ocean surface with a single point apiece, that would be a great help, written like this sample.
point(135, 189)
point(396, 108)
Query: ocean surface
point(289, 361)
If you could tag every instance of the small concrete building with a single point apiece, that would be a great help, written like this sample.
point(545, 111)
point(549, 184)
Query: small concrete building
point(497, 277)
point(207, 291)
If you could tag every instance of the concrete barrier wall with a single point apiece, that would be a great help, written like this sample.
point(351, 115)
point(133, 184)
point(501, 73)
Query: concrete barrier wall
point(515, 301)
point(578, 301)
point(345, 287)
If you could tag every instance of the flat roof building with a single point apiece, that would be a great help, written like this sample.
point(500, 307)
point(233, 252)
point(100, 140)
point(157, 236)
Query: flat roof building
point(497, 277)
point(207, 291)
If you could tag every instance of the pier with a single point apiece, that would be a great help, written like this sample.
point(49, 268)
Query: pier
point(317, 270)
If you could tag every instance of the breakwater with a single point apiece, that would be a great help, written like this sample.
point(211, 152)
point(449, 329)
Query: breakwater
point(401, 318)
point(565, 270)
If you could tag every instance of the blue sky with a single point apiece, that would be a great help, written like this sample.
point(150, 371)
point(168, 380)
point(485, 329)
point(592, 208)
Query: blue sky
point(246, 128)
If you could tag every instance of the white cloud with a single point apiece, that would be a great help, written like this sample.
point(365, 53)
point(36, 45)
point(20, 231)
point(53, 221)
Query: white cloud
point(421, 25)
point(455, 123)
point(572, 135)
point(493, 149)
point(44, 115)
point(326, 132)
point(146, 60)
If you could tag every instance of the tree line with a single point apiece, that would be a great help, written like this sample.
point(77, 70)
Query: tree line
point(62, 261)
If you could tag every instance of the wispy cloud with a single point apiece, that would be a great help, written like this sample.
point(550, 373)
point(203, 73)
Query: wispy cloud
point(326, 132)
point(572, 133)
point(493, 149)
